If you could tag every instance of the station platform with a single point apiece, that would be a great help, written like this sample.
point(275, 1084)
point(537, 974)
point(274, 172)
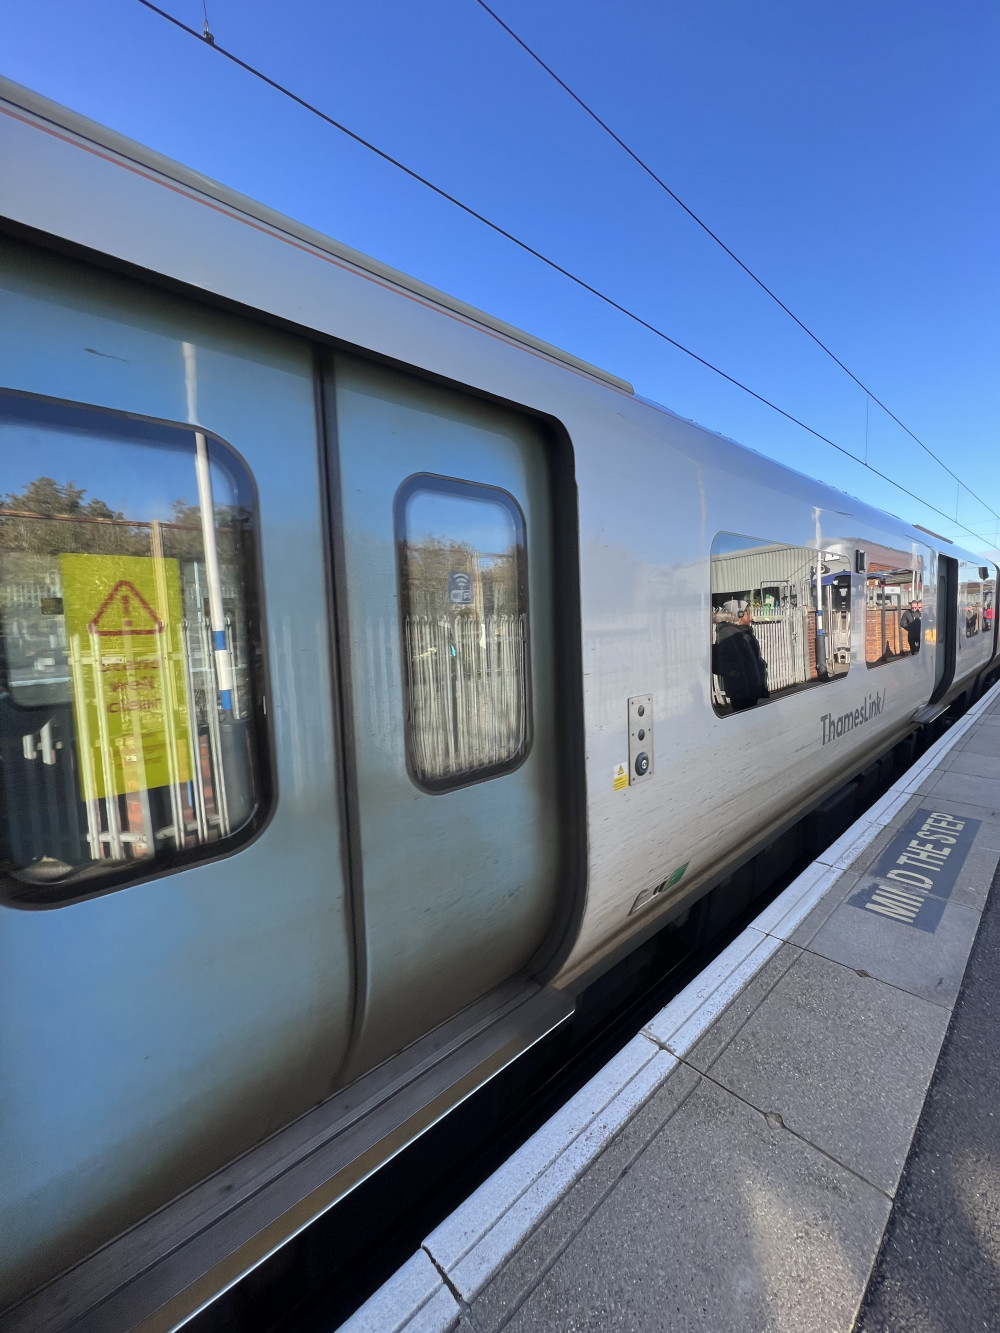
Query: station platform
point(738, 1165)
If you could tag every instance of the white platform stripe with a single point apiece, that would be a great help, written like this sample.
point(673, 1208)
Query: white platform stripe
point(472, 1220)
point(849, 846)
point(791, 907)
point(679, 1024)
point(516, 1223)
point(415, 1298)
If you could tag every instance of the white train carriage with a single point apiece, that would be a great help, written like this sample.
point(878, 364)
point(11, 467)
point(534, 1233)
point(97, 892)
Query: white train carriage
point(362, 699)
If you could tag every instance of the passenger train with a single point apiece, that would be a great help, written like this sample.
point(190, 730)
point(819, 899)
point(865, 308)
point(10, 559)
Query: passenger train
point(374, 677)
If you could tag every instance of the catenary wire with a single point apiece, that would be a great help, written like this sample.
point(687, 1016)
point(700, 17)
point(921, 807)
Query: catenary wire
point(720, 242)
point(551, 263)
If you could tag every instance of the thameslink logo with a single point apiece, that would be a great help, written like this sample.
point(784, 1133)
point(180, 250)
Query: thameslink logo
point(834, 727)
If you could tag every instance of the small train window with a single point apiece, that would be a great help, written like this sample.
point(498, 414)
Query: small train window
point(131, 681)
point(464, 625)
point(781, 620)
point(893, 612)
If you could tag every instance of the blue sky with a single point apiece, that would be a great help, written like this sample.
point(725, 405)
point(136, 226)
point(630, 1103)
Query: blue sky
point(848, 153)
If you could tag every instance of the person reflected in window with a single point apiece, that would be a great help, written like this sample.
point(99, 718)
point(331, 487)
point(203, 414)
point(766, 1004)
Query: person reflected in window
point(909, 622)
point(737, 656)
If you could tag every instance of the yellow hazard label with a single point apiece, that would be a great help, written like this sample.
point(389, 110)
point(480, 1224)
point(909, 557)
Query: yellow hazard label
point(619, 777)
point(124, 627)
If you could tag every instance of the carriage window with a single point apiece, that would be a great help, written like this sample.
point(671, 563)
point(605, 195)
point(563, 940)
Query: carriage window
point(130, 657)
point(893, 613)
point(464, 621)
point(989, 601)
point(781, 620)
point(975, 600)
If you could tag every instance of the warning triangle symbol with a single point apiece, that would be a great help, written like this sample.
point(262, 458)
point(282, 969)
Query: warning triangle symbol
point(124, 612)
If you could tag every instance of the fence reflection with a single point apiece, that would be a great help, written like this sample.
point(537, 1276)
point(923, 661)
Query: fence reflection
point(467, 691)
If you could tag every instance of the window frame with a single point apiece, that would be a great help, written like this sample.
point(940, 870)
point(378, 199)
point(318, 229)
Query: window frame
point(96, 881)
point(481, 491)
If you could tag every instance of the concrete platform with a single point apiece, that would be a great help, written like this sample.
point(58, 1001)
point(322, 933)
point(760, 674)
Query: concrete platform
point(939, 1268)
point(736, 1165)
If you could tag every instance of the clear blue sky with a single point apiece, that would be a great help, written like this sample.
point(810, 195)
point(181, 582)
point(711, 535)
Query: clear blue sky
point(847, 152)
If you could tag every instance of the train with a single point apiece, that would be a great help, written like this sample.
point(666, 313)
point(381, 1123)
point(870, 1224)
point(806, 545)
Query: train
point(374, 677)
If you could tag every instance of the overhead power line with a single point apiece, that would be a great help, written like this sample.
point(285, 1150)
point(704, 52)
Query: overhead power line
point(721, 243)
point(550, 263)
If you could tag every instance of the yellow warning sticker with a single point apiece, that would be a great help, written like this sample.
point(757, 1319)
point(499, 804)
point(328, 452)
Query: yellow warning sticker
point(619, 777)
point(124, 627)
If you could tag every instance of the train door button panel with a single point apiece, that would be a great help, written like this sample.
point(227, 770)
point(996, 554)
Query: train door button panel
point(640, 738)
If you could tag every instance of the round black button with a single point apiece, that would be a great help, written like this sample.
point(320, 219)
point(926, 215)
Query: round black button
point(642, 764)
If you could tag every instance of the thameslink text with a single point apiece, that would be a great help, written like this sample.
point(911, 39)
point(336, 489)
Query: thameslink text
point(835, 727)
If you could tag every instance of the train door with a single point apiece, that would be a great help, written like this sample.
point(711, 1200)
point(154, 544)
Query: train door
point(446, 606)
point(946, 615)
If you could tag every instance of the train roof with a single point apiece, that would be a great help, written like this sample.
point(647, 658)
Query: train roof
point(19, 96)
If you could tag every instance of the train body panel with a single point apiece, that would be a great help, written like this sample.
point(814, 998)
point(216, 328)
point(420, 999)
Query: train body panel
point(722, 781)
point(594, 551)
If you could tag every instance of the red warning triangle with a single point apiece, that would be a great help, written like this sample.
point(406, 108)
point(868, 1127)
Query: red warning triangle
point(125, 611)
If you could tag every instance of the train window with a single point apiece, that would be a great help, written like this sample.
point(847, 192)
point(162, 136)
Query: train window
point(893, 610)
point(976, 596)
point(464, 624)
point(130, 656)
point(781, 620)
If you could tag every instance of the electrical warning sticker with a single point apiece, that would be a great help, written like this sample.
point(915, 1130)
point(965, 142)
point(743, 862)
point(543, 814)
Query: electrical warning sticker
point(619, 777)
point(124, 627)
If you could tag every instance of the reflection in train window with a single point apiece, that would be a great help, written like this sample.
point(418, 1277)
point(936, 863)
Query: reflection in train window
point(781, 620)
point(893, 612)
point(976, 595)
point(130, 671)
point(464, 621)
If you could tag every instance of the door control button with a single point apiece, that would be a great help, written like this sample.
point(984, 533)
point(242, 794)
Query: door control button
point(640, 739)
